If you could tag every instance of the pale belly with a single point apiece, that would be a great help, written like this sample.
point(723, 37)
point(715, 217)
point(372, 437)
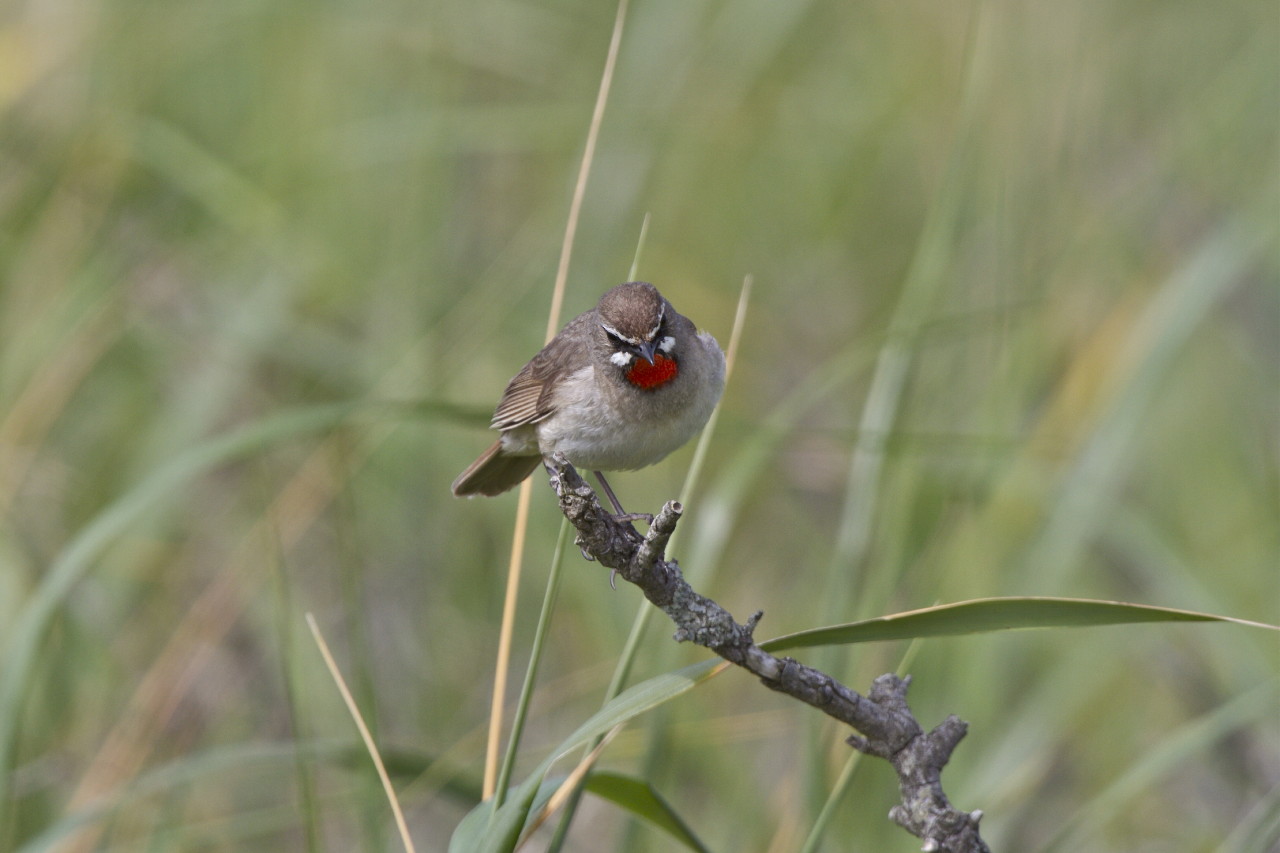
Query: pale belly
point(598, 444)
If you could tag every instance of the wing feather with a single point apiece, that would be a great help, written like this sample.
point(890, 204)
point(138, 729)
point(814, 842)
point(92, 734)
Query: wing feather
point(529, 397)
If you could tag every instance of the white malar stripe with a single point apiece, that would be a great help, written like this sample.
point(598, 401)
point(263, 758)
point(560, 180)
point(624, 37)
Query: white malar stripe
point(622, 359)
point(667, 344)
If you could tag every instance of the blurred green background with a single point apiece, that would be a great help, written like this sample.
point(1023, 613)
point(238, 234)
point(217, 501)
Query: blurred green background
point(1015, 330)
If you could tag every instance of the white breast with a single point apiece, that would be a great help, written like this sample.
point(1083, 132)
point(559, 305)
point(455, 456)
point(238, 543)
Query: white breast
point(612, 426)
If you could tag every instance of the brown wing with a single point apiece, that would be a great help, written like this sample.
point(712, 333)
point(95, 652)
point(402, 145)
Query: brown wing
point(528, 398)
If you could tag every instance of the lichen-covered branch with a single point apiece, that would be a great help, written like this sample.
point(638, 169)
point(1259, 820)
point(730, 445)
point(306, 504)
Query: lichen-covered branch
point(884, 723)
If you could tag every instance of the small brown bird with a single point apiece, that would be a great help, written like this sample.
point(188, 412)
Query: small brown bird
point(618, 388)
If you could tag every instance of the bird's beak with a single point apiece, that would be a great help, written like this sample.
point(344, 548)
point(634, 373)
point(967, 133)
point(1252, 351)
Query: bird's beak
point(646, 349)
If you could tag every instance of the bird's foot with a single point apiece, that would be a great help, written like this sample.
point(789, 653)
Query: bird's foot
point(627, 517)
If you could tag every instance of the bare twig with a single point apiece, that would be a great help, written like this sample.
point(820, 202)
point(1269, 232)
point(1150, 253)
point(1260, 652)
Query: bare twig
point(885, 725)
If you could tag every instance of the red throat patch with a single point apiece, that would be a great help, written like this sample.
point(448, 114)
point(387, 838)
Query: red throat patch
point(650, 376)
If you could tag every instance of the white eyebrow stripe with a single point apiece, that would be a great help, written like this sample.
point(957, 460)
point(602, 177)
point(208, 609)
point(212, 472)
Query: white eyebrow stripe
point(611, 330)
point(653, 333)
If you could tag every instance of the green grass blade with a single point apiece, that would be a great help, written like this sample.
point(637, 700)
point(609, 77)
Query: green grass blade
point(252, 758)
point(23, 642)
point(639, 797)
point(1181, 745)
point(1221, 262)
point(983, 615)
point(484, 830)
point(838, 790)
point(535, 658)
point(636, 700)
point(640, 241)
point(740, 476)
point(1259, 829)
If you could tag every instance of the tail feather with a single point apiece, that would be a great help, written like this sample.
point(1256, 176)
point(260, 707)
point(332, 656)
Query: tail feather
point(494, 473)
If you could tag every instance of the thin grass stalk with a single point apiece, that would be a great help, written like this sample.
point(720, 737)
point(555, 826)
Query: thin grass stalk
point(841, 787)
point(572, 784)
point(343, 459)
point(531, 672)
point(526, 488)
point(643, 238)
point(365, 736)
point(504, 641)
point(283, 608)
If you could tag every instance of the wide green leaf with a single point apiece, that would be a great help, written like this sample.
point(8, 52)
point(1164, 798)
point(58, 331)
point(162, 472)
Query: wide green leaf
point(642, 800)
point(994, 614)
point(481, 829)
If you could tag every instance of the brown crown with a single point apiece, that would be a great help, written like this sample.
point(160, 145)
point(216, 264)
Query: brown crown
point(633, 310)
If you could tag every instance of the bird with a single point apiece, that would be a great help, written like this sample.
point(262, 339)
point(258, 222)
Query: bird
point(617, 389)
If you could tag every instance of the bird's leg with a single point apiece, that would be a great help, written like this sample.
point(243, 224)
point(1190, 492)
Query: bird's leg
point(618, 512)
point(621, 515)
point(613, 499)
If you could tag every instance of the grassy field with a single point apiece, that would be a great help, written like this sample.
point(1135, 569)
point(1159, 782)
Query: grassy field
point(1015, 330)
